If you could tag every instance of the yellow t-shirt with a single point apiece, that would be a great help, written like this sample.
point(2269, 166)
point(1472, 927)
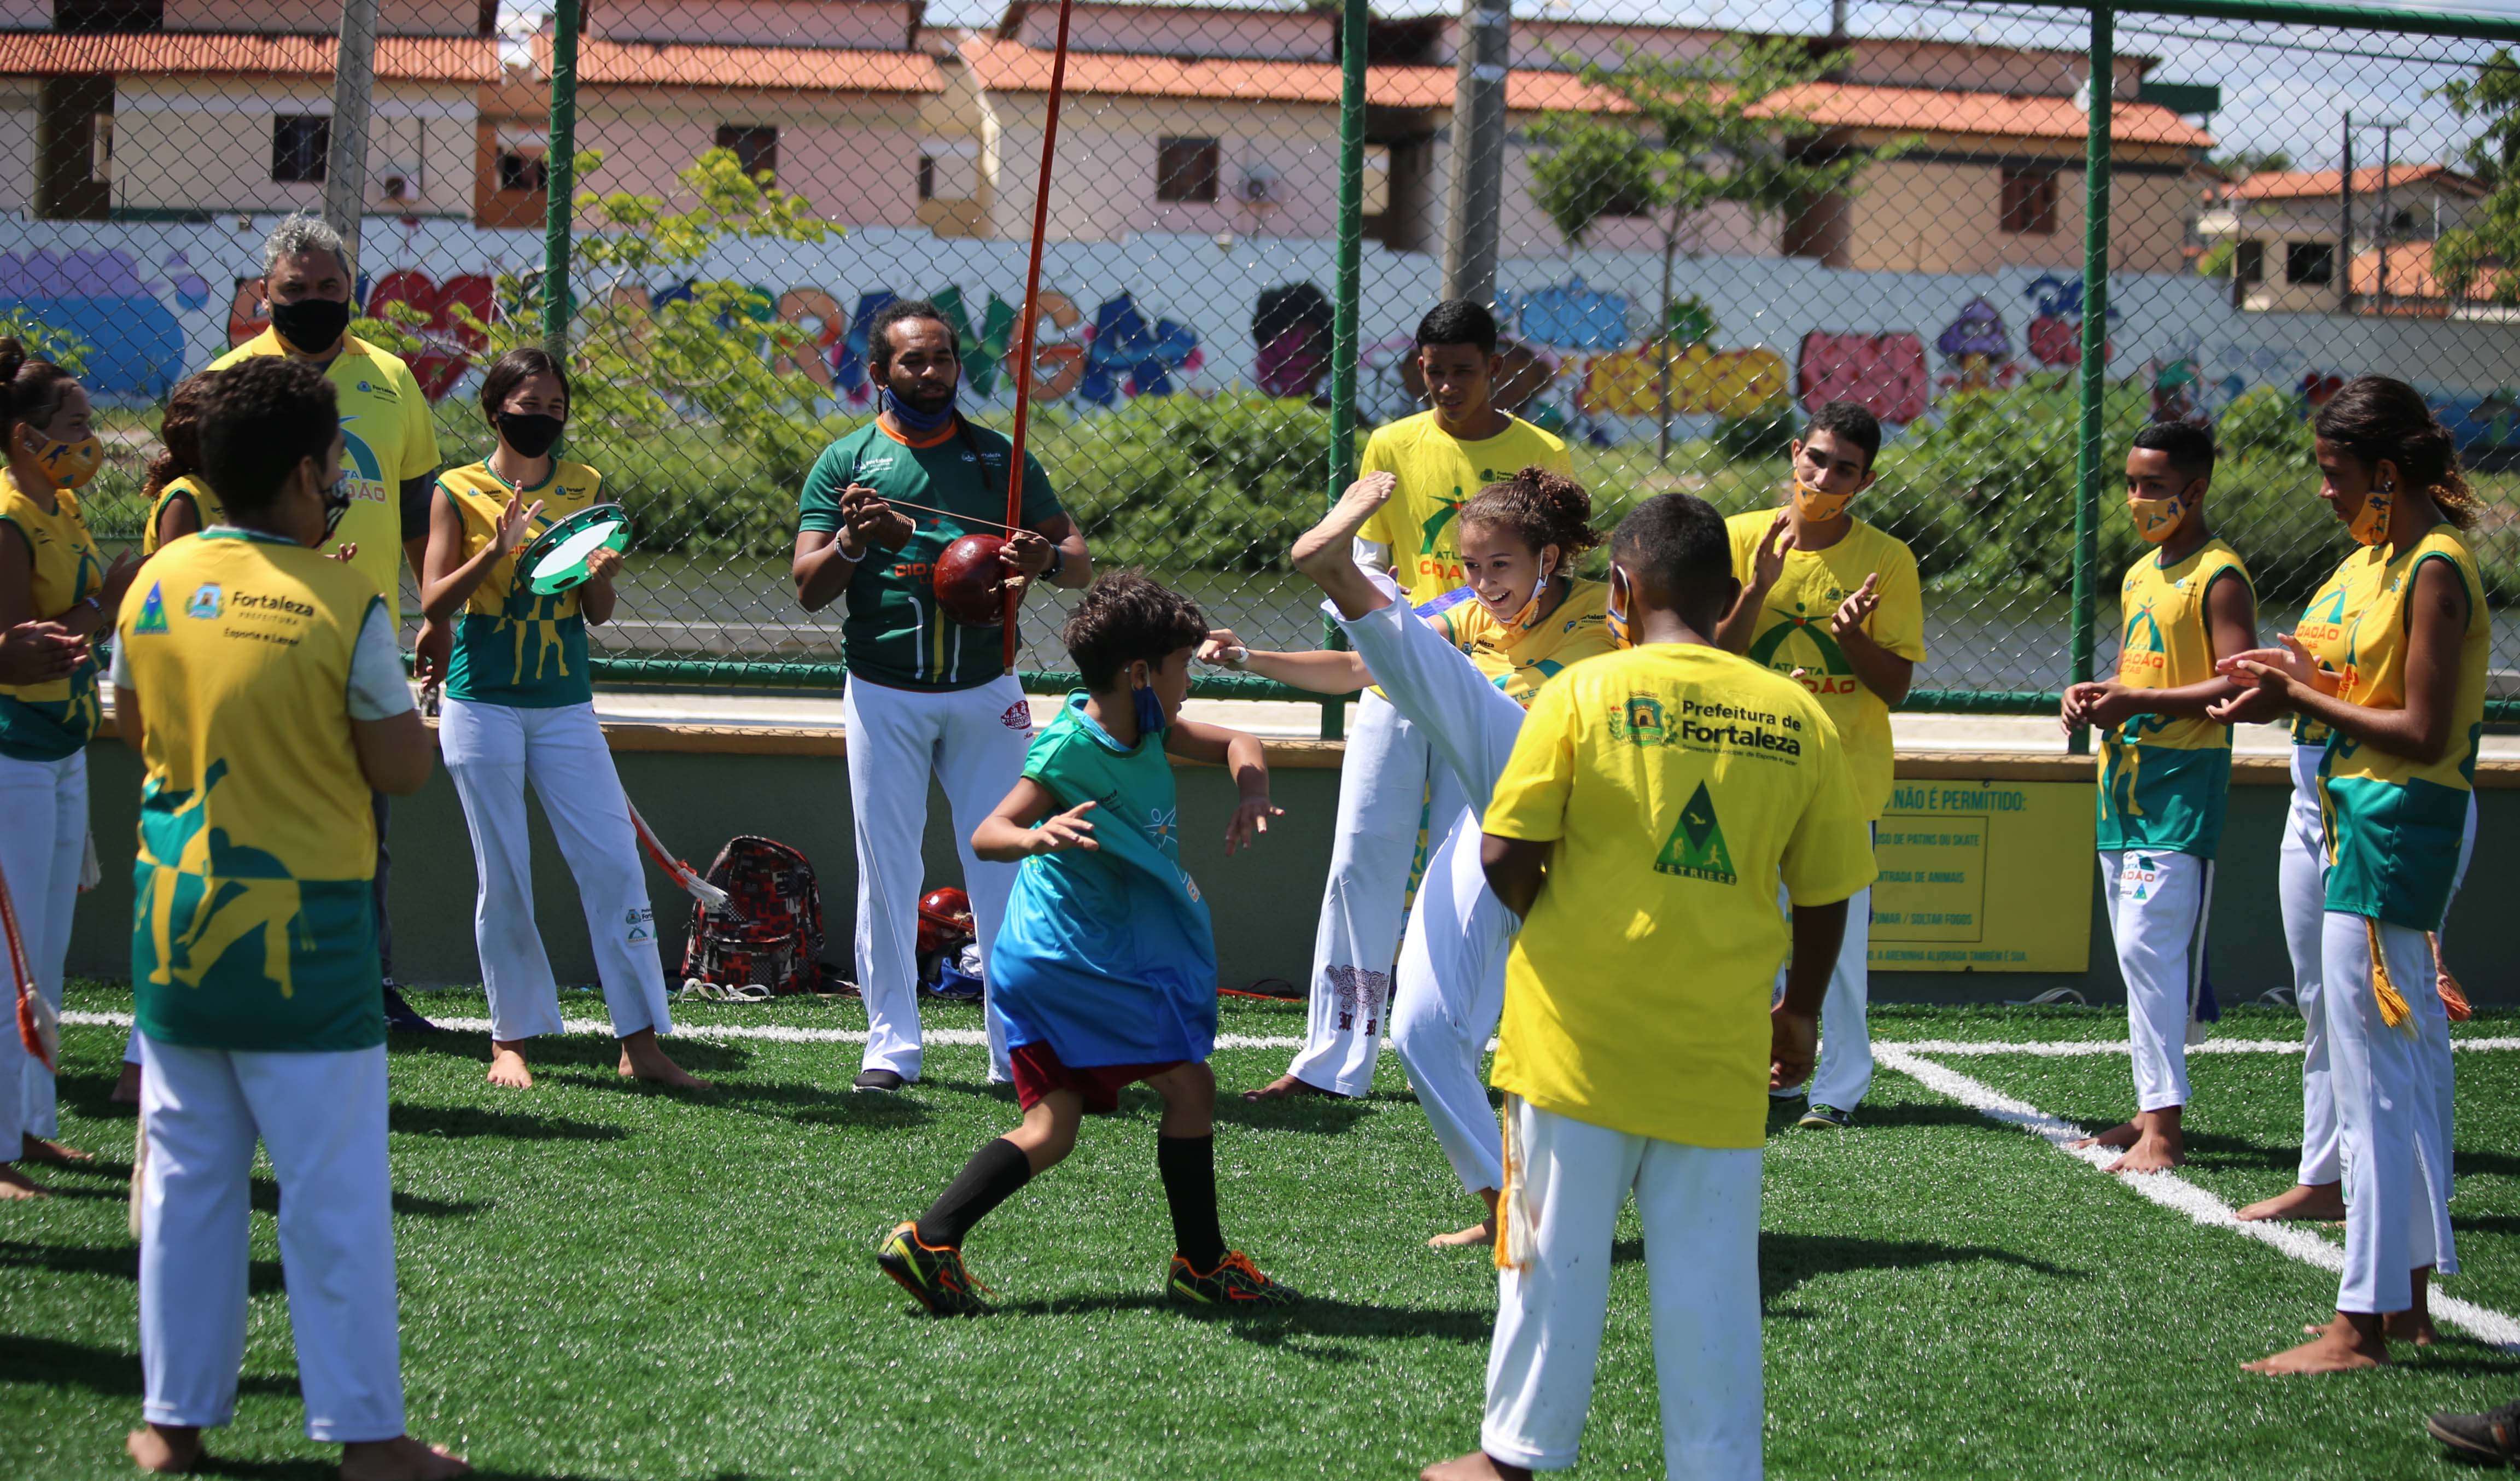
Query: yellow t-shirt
point(1678, 782)
point(2393, 824)
point(45, 722)
point(1792, 631)
point(1519, 663)
point(1438, 472)
point(513, 646)
point(389, 438)
point(206, 508)
point(2329, 616)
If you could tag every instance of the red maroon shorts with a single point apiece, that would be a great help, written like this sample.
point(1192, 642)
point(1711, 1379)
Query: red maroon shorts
point(1038, 1072)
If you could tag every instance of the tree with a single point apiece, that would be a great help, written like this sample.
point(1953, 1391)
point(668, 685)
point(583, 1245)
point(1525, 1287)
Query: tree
point(2464, 258)
point(2242, 164)
point(713, 349)
point(1697, 131)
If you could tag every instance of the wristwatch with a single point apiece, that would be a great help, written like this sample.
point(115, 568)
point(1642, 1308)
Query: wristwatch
point(1058, 559)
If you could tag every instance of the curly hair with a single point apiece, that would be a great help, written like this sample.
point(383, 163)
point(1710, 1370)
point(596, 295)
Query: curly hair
point(1544, 508)
point(1125, 616)
point(260, 420)
point(180, 432)
point(2375, 420)
point(31, 390)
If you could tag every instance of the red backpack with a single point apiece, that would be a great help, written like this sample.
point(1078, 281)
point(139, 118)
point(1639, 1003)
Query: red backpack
point(769, 933)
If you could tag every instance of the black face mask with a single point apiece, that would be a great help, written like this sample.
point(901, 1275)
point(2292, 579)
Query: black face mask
point(312, 326)
point(529, 433)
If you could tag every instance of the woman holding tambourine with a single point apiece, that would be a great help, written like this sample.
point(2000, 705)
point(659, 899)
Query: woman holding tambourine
point(522, 547)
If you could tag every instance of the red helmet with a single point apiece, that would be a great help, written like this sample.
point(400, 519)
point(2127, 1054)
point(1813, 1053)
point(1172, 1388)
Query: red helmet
point(944, 920)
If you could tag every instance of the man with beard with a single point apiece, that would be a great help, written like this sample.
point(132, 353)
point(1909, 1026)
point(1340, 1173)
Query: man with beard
point(926, 694)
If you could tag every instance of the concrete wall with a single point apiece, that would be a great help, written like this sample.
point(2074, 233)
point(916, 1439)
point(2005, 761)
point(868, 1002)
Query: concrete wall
point(204, 144)
point(323, 17)
point(881, 27)
point(855, 159)
point(1164, 30)
point(1265, 900)
point(1937, 217)
point(1297, 145)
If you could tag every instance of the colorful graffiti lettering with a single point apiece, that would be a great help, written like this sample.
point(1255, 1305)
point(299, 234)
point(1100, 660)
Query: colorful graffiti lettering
point(1569, 314)
point(1886, 373)
point(1705, 382)
point(134, 345)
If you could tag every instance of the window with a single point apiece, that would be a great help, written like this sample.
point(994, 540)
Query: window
point(522, 172)
point(1186, 169)
point(928, 177)
point(108, 15)
point(2249, 263)
point(299, 144)
point(2029, 203)
point(2311, 262)
point(755, 146)
point(100, 148)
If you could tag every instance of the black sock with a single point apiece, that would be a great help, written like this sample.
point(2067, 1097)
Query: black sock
point(988, 1180)
point(1189, 1168)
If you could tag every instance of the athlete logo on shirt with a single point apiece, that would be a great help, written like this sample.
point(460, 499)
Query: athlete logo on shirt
point(1159, 825)
point(1831, 675)
point(153, 612)
point(1695, 849)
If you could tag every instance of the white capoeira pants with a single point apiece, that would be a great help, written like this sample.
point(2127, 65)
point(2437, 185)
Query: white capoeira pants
point(2302, 890)
point(492, 751)
point(1844, 1074)
point(322, 1116)
point(43, 839)
point(1384, 797)
point(2156, 904)
point(1452, 958)
point(2396, 1181)
point(1699, 1208)
point(972, 740)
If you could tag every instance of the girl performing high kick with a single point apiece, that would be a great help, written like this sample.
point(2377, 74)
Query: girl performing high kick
point(1461, 677)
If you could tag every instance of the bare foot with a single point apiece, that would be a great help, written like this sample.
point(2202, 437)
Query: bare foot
point(1482, 1234)
point(2349, 1342)
point(1477, 1466)
point(644, 1058)
point(508, 1067)
point(2413, 1326)
point(2153, 1153)
point(37, 1149)
point(400, 1458)
point(16, 1185)
point(1288, 1087)
point(126, 1086)
point(2304, 1200)
point(2119, 1137)
point(1333, 537)
point(169, 1449)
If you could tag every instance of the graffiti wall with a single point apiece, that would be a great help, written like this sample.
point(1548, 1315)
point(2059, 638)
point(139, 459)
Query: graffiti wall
point(1155, 316)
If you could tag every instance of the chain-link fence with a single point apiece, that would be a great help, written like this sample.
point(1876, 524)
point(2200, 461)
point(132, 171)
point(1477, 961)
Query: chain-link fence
point(1700, 231)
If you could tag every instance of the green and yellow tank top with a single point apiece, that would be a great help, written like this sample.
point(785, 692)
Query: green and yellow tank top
point(45, 722)
point(2392, 822)
point(254, 926)
point(2163, 779)
point(2325, 622)
point(206, 508)
point(514, 647)
point(1520, 662)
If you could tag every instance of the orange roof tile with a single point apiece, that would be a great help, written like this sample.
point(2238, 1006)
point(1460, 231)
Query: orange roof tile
point(469, 59)
point(2311, 184)
point(1924, 110)
point(639, 63)
point(1011, 66)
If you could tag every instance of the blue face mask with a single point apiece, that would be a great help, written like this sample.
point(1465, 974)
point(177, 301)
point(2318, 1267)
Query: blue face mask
point(1151, 710)
point(914, 420)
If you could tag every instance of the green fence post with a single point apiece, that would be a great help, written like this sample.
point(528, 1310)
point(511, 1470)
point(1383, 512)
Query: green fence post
point(560, 179)
point(2095, 345)
point(1351, 275)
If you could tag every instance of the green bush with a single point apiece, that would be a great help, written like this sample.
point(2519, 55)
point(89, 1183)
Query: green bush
point(2266, 425)
point(1764, 435)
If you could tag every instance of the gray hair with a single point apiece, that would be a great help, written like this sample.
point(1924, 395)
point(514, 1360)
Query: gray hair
point(304, 232)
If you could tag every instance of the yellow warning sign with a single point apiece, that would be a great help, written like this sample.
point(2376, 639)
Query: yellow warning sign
point(1984, 877)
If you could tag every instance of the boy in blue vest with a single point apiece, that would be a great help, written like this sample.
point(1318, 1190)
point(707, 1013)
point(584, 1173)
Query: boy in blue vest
point(1105, 967)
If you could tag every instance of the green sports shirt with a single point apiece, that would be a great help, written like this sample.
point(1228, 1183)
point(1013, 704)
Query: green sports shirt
point(892, 631)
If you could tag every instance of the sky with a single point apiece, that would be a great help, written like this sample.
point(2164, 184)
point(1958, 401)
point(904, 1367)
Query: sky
point(2283, 87)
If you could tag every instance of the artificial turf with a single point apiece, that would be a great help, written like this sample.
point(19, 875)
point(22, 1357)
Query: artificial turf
point(601, 1281)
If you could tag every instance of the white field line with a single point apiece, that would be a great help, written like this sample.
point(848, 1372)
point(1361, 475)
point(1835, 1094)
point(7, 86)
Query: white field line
point(2171, 1191)
point(783, 1034)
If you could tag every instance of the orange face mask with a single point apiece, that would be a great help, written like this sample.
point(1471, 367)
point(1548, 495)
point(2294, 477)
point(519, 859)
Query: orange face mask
point(2156, 520)
point(68, 463)
point(1817, 507)
point(2370, 522)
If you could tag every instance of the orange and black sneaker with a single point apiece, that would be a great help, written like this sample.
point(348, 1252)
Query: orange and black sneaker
point(1235, 1281)
point(934, 1275)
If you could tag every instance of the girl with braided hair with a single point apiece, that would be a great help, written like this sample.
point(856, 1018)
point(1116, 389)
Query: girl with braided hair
point(1461, 668)
point(2403, 708)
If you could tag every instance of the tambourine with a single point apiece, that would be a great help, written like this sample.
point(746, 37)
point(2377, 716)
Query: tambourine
point(556, 560)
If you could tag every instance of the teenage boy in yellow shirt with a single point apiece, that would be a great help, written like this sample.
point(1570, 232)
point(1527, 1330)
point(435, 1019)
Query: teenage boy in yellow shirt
point(1654, 799)
point(1834, 603)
